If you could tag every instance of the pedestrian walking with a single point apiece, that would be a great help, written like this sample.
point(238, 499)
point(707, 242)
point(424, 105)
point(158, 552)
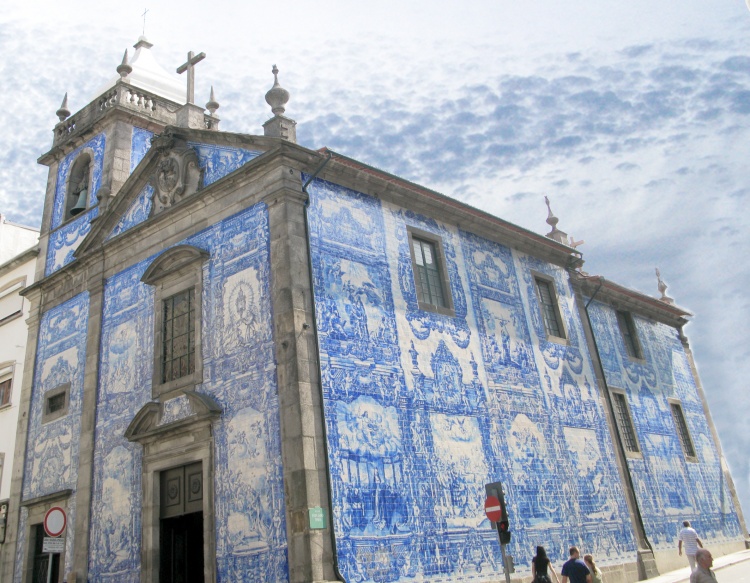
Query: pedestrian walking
point(692, 542)
point(540, 564)
point(575, 569)
point(596, 574)
point(703, 572)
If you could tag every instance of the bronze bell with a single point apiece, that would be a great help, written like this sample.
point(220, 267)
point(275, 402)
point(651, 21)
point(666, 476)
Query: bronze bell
point(81, 204)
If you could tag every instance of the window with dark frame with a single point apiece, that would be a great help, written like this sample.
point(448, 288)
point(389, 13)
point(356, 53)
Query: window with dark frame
point(5, 387)
point(56, 402)
point(550, 315)
point(427, 274)
point(682, 430)
point(178, 336)
point(629, 335)
point(625, 423)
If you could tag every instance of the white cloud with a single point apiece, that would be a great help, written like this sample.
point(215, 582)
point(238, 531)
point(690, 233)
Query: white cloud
point(637, 128)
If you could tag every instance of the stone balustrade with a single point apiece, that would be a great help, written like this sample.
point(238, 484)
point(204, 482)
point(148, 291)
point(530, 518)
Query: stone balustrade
point(121, 96)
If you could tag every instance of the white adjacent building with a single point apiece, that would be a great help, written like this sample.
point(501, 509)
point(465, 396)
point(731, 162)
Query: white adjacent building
point(18, 252)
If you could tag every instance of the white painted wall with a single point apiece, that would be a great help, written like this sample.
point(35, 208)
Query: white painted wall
point(15, 238)
point(16, 272)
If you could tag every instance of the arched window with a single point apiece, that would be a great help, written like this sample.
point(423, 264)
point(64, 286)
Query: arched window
point(79, 187)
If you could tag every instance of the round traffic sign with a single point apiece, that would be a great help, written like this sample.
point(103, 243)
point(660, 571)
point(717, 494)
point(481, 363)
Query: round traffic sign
point(55, 521)
point(492, 508)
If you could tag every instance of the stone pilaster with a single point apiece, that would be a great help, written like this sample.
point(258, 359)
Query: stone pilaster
point(302, 425)
point(84, 483)
point(8, 549)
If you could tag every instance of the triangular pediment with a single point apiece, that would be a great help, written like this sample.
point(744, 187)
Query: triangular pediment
point(217, 155)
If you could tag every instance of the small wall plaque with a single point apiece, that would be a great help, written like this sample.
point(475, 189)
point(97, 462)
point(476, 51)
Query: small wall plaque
point(317, 518)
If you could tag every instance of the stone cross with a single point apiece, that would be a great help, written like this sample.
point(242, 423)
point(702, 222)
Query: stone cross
point(192, 60)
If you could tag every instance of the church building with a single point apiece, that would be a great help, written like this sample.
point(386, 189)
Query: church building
point(255, 361)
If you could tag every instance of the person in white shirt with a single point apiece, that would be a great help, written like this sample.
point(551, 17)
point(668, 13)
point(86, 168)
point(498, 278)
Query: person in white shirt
point(692, 542)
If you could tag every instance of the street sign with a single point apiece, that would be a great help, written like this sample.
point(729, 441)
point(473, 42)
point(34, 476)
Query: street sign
point(55, 521)
point(53, 545)
point(492, 508)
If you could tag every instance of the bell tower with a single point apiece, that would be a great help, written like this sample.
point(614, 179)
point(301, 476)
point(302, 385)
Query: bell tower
point(95, 149)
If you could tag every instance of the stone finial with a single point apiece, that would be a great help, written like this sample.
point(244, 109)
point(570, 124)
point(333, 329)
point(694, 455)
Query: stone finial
point(212, 104)
point(555, 234)
point(124, 68)
point(277, 96)
point(663, 289)
point(63, 113)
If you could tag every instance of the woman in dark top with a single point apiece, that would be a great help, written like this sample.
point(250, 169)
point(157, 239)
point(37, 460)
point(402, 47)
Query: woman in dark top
point(540, 564)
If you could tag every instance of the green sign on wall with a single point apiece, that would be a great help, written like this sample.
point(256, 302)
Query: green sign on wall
point(317, 518)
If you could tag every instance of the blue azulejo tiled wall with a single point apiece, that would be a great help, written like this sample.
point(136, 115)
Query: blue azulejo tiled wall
point(670, 488)
point(140, 143)
point(64, 241)
point(51, 463)
point(422, 410)
point(239, 373)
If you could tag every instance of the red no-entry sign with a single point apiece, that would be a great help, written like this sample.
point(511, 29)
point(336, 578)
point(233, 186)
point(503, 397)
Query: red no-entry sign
point(492, 508)
point(55, 521)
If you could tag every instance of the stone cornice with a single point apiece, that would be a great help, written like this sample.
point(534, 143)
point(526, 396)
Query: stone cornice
point(623, 298)
point(19, 260)
point(401, 192)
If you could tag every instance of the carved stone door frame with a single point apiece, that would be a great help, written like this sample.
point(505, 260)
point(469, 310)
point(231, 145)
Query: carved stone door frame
point(179, 443)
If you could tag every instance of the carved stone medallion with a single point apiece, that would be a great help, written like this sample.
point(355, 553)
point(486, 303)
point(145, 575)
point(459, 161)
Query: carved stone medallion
point(178, 173)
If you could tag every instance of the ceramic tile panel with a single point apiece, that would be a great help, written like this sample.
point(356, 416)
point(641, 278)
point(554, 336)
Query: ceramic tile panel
point(52, 455)
point(218, 161)
point(660, 477)
point(138, 211)
point(140, 143)
point(64, 241)
point(422, 410)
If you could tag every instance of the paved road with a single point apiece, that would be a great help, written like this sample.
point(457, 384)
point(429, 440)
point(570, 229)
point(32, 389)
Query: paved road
point(738, 573)
point(734, 568)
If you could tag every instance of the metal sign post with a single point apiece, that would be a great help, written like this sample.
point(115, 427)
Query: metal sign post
point(505, 563)
point(55, 521)
point(494, 508)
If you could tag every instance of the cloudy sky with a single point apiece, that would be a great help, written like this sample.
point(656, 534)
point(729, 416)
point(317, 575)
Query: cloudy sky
point(631, 116)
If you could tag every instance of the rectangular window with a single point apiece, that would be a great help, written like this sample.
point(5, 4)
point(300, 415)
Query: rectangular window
point(56, 403)
point(629, 334)
point(682, 431)
point(427, 275)
point(550, 311)
point(11, 303)
point(178, 336)
point(625, 423)
point(430, 273)
point(5, 387)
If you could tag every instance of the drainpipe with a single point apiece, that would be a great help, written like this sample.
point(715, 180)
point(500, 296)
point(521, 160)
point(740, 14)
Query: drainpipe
point(312, 177)
point(608, 397)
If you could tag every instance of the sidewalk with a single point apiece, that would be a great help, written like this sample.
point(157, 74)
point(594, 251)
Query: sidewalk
point(681, 575)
